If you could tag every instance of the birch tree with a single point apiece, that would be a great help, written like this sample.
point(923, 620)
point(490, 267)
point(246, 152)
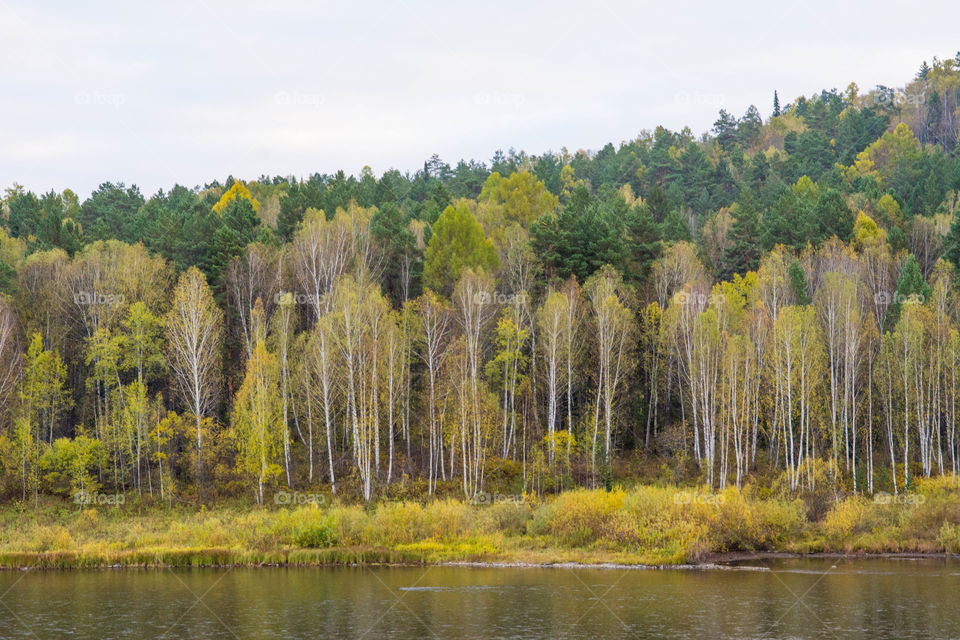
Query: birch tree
point(194, 335)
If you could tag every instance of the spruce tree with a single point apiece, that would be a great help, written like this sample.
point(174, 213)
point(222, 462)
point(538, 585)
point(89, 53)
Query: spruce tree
point(743, 253)
point(952, 242)
point(798, 283)
point(912, 288)
point(642, 244)
point(833, 216)
point(676, 228)
point(776, 104)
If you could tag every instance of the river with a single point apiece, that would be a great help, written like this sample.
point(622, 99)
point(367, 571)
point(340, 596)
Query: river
point(796, 598)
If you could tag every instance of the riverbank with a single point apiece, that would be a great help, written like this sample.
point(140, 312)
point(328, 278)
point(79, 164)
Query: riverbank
point(641, 526)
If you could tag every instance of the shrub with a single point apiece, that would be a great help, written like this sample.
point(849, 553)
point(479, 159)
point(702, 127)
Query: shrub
point(315, 535)
point(508, 518)
point(849, 517)
point(579, 518)
point(949, 537)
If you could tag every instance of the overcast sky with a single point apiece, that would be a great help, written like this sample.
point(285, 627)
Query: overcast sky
point(186, 92)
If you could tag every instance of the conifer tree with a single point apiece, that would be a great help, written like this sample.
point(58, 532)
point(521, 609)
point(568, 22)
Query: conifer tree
point(743, 253)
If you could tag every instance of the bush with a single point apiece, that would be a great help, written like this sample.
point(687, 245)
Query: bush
point(949, 537)
point(581, 517)
point(507, 518)
point(849, 517)
point(315, 535)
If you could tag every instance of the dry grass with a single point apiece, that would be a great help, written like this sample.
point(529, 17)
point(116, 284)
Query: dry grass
point(645, 524)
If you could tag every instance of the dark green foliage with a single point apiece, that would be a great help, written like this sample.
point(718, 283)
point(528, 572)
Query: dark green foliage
point(897, 240)
point(833, 217)
point(582, 238)
point(25, 214)
point(641, 243)
point(676, 228)
point(300, 196)
point(951, 243)
point(798, 284)
point(656, 201)
point(912, 288)
point(744, 251)
point(113, 211)
point(238, 228)
point(403, 261)
point(788, 222)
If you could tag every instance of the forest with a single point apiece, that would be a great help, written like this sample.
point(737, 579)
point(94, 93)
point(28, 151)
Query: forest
point(776, 301)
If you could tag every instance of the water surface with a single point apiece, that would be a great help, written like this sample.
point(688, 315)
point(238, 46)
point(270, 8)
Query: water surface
point(811, 598)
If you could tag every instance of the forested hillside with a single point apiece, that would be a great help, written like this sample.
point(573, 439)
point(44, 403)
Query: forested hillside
point(776, 299)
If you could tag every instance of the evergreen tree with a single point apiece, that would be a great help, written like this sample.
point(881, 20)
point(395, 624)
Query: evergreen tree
point(642, 244)
point(744, 251)
point(656, 200)
point(952, 242)
point(776, 104)
point(912, 288)
point(833, 216)
point(676, 228)
point(239, 227)
point(798, 283)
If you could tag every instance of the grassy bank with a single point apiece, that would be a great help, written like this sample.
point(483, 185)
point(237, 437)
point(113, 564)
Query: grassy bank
point(641, 525)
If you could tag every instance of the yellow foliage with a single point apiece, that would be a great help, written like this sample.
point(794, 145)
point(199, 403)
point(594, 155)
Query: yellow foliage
point(882, 157)
point(238, 190)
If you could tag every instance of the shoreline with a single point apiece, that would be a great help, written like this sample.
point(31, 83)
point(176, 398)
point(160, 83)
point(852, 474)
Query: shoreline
point(644, 527)
point(346, 557)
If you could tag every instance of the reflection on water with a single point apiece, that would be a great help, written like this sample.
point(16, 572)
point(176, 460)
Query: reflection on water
point(833, 598)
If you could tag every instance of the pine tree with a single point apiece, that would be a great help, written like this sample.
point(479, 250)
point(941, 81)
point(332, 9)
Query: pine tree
point(952, 242)
point(656, 199)
point(642, 244)
point(912, 288)
point(240, 227)
point(676, 228)
point(833, 216)
point(798, 284)
point(743, 253)
point(776, 104)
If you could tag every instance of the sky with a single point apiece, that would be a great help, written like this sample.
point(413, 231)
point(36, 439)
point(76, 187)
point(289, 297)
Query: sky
point(160, 93)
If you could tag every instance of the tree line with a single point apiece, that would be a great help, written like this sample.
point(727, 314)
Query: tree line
point(777, 300)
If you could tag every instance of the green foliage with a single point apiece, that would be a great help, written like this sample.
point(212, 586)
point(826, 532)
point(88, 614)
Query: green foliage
point(798, 284)
point(743, 252)
point(912, 288)
point(457, 243)
point(316, 533)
